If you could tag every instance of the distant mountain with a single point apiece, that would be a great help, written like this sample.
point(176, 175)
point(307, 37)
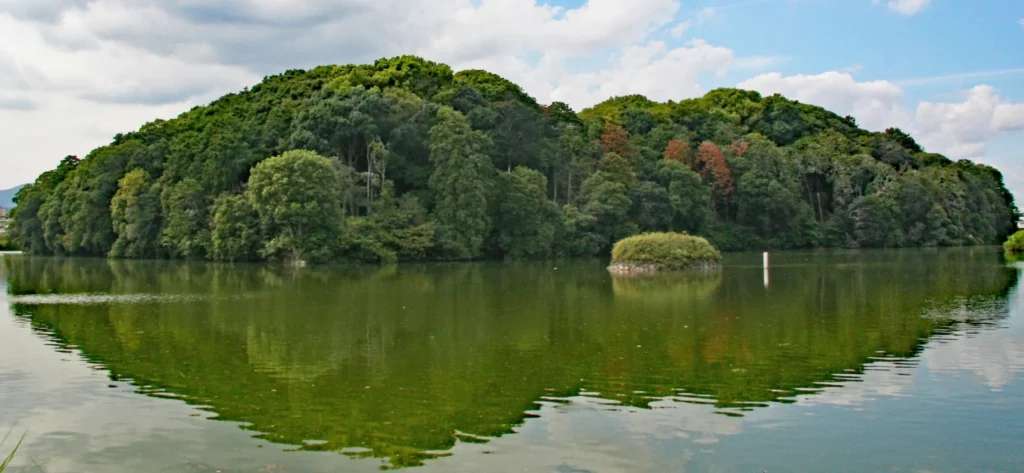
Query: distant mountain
point(7, 197)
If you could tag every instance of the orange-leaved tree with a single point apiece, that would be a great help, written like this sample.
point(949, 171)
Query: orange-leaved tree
point(678, 151)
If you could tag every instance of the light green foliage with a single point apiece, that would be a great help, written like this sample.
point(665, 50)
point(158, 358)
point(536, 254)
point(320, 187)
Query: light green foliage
point(525, 222)
point(186, 231)
point(461, 182)
point(665, 250)
point(135, 211)
point(1015, 244)
point(296, 197)
point(6, 243)
point(236, 233)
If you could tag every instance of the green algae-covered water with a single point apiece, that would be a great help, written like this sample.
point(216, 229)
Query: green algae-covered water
point(870, 361)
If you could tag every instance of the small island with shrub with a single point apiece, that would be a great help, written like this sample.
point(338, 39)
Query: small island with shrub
point(1015, 244)
point(652, 252)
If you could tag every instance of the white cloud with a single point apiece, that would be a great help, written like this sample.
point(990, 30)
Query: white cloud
point(875, 104)
point(1020, 22)
point(679, 30)
point(962, 129)
point(705, 14)
point(908, 7)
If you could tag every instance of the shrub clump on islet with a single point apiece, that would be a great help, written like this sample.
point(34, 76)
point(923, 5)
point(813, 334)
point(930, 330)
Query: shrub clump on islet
point(1015, 244)
point(652, 252)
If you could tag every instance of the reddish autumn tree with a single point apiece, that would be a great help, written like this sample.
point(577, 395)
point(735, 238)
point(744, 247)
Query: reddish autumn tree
point(739, 147)
point(615, 139)
point(678, 151)
point(711, 164)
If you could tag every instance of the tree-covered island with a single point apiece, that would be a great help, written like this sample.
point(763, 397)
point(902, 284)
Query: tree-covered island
point(404, 159)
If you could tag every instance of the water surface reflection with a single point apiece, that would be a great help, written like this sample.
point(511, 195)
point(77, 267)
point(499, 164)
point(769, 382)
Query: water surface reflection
point(435, 365)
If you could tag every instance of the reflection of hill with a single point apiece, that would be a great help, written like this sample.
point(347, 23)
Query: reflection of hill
point(399, 361)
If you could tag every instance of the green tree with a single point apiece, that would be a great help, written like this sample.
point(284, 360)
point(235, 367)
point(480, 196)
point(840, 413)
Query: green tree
point(525, 222)
point(186, 233)
point(135, 212)
point(461, 183)
point(296, 196)
point(397, 229)
point(689, 198)
point(877, 221)
point(607, 201)
point(236, 231)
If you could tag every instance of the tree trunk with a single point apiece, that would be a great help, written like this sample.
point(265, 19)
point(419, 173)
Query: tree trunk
point(554, 187)
point(821, 212)
point(568, 190)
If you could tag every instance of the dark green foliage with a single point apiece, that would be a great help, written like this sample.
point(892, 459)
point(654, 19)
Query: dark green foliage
point(461, 182)
point(397, 229)
point(430, 164)
point(688, 197)
point(495, 88)
point(606, 200)
point(903, 139)
point(526, 221)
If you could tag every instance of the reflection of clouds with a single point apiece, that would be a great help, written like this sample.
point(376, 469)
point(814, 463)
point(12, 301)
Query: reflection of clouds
point(992, 353)
point(76, 422)
point(880, 379)
point(994, 356)
point(595, 435)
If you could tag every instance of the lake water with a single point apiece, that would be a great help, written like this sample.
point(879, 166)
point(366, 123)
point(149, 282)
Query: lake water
point(874, 361)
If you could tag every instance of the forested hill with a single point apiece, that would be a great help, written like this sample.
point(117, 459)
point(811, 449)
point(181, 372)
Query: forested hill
point(403, 159)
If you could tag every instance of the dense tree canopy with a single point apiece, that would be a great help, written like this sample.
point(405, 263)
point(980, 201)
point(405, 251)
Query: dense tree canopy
point(403, 159)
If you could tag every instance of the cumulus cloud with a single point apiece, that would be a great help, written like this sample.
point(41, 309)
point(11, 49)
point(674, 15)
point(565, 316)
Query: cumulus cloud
point(962, 129)
point(270, 35)
point(875, 104)
point(109, 71)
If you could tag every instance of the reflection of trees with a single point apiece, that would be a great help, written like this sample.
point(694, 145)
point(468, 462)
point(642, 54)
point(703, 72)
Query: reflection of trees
point(400, 360)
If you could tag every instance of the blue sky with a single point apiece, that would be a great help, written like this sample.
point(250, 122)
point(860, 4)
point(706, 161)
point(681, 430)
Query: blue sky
point(946, 37)
point(74, 72)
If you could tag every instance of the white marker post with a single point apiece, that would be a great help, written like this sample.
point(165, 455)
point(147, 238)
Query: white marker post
point(765, 269)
